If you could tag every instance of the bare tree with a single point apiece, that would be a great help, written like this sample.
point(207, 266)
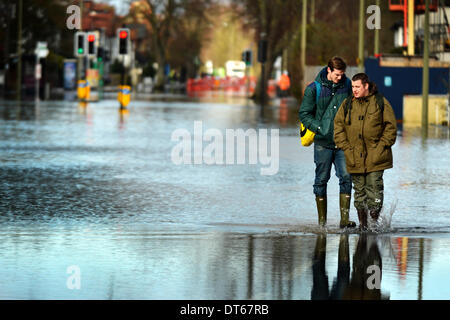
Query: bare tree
point(190, 35)
point(167, 19)
point(273, 20)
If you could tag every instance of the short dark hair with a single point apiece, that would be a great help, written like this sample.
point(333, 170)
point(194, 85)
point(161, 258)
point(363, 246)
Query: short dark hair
point(337, 63)
point(365, 79)
point(361, 76)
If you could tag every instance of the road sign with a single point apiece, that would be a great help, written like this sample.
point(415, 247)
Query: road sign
point(41, 50)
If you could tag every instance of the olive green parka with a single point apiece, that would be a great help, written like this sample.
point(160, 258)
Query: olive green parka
point(366, 135)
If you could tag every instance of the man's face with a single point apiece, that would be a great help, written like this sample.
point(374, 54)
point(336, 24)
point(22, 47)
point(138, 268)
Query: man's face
point(359, 89)
point(336, 75)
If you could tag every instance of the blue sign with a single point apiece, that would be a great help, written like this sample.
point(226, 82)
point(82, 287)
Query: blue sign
point(70, 74)
point(387, 81)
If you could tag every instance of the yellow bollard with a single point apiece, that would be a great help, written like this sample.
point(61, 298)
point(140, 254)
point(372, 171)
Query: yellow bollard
point(124, 96)
point(81, 90)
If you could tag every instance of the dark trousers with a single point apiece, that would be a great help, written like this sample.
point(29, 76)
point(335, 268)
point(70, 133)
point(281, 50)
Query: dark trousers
point(368, 190)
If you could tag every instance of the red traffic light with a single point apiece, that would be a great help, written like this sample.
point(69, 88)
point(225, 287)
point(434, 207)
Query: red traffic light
point(91, 38)
point(123, 34)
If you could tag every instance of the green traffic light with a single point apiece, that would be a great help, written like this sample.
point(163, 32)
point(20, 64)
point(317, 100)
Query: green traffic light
point(80, 50)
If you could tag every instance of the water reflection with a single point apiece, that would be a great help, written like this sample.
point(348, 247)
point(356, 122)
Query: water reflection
point(365, 282)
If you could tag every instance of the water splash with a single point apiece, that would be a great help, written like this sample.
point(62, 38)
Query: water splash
point(383, 225)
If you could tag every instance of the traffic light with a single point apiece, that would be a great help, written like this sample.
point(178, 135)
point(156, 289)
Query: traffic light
point(262, 51)
point(80, 44)
point(247, 57)
point(101, 54)
point(92, 44)
point(124, 38)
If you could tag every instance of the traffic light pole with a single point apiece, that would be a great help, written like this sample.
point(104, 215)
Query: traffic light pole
point(123, 37)
point(80, 59)
point(37, 79)
point(19, 52)
point(247, 84)
point(100, 80)
point(122, 75)
point(263, 87)
point(262, 57)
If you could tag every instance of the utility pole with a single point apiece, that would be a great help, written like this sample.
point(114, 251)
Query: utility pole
point(421, 250)
point(361, 36)
point(426, 70)
point(303, 43)
point(411, 27)
point(376, 47)
point(19, 52)
point(284, 60)
point(262, 57)
point(6, 50)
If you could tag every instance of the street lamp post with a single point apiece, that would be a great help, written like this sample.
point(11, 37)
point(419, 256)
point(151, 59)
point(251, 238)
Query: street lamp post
point(426, 70)
point(19, 52)
point(361, 37)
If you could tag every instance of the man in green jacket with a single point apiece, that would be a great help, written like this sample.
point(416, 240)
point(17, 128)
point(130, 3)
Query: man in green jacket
point(365, 128)
point(320, 103)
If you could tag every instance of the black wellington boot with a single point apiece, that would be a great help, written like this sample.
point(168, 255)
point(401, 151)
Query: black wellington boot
point(375, 214)
point(362, 216)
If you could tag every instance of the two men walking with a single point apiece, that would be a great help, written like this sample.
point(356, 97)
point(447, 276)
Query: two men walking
point(355, 128)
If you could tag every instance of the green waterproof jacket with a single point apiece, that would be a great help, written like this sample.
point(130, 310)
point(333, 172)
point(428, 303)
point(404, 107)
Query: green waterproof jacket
point(366, 134)
point(317, 113)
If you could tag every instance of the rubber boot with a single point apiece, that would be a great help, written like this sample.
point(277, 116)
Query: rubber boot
point(322, 210)
point(362, 216)
point(344, 205)
point(375, 213)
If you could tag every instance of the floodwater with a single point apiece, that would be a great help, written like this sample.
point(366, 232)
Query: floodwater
point(92, 206)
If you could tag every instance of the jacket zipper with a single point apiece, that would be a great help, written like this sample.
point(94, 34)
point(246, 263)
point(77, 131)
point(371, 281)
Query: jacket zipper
point(364, 143)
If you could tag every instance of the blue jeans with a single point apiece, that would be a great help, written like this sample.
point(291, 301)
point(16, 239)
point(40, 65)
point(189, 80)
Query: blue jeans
point(324, 158)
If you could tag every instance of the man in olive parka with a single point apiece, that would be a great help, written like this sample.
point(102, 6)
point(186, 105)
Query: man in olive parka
point(366, 129)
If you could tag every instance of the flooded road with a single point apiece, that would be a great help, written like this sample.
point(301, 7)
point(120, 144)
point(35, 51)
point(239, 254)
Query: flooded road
point(86, 188)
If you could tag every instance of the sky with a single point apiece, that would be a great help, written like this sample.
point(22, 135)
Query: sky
point(120, 5)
